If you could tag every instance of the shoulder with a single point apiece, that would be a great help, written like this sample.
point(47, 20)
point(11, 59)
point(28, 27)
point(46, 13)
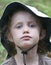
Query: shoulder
point(46, 60)
point(10, 61)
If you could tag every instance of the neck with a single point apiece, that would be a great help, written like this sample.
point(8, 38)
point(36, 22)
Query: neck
point(30, 57)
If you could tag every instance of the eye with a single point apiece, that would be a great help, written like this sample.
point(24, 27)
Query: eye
point(32, 25)
point(19, 26)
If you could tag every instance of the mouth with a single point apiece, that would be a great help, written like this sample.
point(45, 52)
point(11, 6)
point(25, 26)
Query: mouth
point(26, 37)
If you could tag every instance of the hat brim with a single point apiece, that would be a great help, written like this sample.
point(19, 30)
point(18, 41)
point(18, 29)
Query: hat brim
point(16, 5)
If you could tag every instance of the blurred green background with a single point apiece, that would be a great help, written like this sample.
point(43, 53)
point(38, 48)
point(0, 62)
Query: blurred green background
point(42, 5)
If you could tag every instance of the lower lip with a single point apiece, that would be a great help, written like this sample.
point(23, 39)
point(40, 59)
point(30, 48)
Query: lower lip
point(26, 38)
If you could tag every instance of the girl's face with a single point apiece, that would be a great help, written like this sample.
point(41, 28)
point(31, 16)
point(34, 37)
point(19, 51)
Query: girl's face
point(24, 30)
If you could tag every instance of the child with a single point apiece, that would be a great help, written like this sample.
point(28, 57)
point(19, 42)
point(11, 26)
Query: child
point(25, 33)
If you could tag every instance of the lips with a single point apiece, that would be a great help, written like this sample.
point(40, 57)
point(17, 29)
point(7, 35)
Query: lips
point(26, 37)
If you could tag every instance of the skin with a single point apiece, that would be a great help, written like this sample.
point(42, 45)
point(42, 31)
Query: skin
point(24, 24)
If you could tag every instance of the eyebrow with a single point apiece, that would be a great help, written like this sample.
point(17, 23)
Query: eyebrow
point(18, 23)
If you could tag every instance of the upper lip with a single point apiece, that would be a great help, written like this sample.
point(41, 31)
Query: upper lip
point(26, 36)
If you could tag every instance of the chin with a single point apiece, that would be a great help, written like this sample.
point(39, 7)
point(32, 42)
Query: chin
point(26, 46)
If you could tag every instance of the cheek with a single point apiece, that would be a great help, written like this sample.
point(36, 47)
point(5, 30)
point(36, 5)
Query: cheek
point(16, 35)
point(35, 34)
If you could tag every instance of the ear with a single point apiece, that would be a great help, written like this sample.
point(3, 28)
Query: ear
point(9, 36)
point(42, 34)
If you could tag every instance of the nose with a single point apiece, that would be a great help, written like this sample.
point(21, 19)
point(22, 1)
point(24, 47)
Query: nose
point(26, 30)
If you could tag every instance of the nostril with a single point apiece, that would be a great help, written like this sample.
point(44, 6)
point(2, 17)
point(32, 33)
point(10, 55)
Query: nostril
point(25, 32)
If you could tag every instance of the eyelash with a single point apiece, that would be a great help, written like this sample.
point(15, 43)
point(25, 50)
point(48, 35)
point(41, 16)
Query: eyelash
point(19, 26)
point(32, 25)
point(29, 25)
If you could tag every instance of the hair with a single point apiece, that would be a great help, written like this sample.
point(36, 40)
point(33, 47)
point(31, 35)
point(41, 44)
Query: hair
point(10, 46)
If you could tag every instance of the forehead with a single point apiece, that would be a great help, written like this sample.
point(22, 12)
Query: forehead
point(24, 15)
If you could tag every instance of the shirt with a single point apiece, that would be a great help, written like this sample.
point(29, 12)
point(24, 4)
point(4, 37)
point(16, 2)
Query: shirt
point(43, 60)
